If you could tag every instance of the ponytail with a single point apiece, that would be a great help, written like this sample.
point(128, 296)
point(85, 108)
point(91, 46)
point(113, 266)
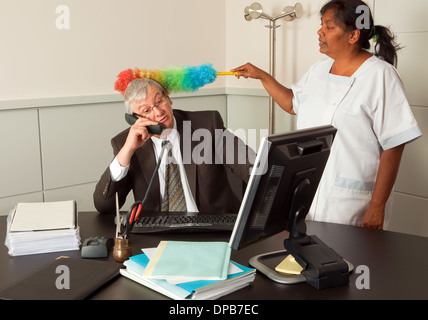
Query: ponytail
point(385, 46)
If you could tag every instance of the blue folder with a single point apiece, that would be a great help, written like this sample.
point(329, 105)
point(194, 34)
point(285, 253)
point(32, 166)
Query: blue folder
point(138, 263)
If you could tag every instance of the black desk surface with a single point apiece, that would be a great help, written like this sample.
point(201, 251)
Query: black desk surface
point(397, 263)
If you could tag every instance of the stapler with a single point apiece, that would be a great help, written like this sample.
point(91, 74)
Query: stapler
point(96, 247)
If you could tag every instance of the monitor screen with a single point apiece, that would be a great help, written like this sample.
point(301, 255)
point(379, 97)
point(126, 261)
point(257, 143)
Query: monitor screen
point(282, 185)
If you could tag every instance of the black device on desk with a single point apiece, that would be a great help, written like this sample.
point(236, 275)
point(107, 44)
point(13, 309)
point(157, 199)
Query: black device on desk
point(278, 197)
point(96, 247)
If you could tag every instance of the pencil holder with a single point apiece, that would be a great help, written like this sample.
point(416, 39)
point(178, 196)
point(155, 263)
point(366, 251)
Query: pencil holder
point(122, 250)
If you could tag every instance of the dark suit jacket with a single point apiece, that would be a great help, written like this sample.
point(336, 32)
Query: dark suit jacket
point(208, 182)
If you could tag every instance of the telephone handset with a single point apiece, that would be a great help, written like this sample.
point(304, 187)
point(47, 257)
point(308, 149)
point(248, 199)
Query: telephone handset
point(155, 129)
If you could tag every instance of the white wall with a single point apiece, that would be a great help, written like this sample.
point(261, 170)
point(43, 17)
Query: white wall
point(57, 103)
point(410, 212)
point(296, 42)
point(248, 41)
point(105, 37)
point(58, 107)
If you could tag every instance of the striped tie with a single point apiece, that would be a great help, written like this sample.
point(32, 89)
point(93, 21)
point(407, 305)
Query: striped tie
point(173, 198)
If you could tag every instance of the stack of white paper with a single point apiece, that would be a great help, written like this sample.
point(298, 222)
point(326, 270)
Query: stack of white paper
point(42, 227)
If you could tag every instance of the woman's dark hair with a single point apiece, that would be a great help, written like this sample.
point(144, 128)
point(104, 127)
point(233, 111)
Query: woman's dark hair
point(346, 12)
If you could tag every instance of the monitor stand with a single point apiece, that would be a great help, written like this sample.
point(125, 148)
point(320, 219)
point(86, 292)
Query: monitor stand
point(257, 262)
point(272, 274)
point(322, 266)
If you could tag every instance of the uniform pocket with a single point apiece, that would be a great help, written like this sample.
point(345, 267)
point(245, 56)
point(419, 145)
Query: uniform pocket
point(355, 185)
point(348, 200)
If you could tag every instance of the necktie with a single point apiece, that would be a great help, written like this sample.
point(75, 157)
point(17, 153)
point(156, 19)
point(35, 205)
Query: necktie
point(173, 198)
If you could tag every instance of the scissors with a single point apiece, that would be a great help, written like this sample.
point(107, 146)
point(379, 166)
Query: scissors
point(131, 217)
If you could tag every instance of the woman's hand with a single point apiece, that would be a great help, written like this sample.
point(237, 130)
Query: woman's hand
point(387, 173)
point(374, 217)
point(282, 95)
point(250, 71)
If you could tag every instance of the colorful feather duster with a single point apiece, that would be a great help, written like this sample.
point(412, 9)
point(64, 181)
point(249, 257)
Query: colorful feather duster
point(173, 79)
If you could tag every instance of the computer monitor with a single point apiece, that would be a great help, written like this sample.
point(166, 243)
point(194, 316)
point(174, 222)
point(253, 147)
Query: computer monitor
point(282, 185)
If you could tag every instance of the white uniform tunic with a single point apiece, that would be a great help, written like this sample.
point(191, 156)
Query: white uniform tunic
point(371, 114)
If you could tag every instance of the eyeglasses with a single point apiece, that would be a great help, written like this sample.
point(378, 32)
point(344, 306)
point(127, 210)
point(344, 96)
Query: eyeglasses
point(148, 111)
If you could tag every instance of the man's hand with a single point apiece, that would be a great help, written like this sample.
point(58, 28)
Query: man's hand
point(137, 136)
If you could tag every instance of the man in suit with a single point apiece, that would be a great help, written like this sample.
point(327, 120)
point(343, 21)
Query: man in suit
point(201, 147)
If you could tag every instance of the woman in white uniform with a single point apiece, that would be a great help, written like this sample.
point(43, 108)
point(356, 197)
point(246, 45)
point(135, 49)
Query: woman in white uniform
point(360, 94)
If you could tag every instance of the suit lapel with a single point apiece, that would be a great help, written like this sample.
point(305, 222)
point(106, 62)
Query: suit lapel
point(186, 147)
point(147, 161)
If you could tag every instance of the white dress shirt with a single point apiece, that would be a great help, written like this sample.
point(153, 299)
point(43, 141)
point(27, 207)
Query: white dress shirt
point(117, 172)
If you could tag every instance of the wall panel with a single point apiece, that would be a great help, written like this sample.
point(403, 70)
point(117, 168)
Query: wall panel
point(20, 152)
point(76, 141)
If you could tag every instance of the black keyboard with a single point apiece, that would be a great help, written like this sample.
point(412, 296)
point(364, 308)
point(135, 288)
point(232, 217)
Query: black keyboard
point(185, 223)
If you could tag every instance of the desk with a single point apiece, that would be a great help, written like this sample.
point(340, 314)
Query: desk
point(397, 262)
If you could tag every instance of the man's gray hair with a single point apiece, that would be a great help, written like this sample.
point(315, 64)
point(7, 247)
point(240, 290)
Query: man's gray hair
point(136, 91)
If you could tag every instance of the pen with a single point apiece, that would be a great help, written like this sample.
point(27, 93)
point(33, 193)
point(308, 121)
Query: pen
point(118, 222)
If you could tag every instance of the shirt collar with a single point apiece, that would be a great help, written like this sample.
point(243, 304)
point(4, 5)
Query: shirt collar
point(173, 137)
